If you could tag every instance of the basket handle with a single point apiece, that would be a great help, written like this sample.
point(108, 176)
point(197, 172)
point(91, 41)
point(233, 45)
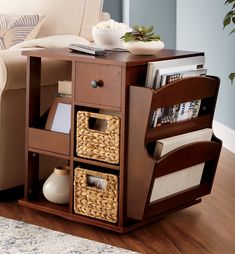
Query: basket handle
point(97, 182)
point(99, 116)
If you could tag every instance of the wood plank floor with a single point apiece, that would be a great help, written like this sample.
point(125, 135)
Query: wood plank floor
point(205, 228)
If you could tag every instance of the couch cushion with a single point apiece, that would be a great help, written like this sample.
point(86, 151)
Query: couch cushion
point(62, 16)
point(17, 28)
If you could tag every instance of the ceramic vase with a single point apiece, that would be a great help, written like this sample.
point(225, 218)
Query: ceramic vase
point(144, 47)
point(56, 187)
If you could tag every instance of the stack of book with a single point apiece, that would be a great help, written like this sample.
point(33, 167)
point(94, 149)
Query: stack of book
point(161, 73)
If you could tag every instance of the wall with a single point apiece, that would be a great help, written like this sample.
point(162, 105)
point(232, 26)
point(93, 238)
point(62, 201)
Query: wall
point(200, 28)
point(114, 8)
point(153, 12)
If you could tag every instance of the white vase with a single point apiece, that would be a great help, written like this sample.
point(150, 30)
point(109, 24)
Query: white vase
point(144, 47)
point(56, 187)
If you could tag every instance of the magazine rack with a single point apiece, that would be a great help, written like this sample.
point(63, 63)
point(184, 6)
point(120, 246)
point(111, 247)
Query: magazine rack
point(143, 168)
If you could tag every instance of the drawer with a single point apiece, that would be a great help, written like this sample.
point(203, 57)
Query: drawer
point(108, 94)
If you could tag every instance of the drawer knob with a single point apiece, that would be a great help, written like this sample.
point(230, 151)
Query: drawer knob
point(96, 83)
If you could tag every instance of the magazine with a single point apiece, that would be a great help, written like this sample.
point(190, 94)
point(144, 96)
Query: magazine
point(164, 76)
point(158, 68)
point(173, 76)
point(176, 113)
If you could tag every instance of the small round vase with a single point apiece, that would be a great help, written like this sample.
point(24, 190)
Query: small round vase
point(56, 187)
point(144, 47)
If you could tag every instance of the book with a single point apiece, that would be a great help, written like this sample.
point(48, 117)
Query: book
point(183, 179)
point(176, 73)
point(163, 146)
point(64, 88)
point(87, 49)
point(157, 68)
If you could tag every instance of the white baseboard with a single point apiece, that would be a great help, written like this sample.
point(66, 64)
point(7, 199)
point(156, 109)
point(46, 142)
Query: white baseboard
point(226, 134)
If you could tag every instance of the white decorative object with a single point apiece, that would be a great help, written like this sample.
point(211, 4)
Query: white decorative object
point(107, 34)
point(144, 47)
point(56, 187)
point(62, 119)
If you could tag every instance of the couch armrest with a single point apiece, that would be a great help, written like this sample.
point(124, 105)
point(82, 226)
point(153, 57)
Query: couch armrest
point(13, 70)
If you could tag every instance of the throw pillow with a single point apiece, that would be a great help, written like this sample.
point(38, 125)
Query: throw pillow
point(17, 28)
point(53, 41)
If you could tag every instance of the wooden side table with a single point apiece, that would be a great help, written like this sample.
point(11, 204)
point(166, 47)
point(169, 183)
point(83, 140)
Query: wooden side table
point(115, 83)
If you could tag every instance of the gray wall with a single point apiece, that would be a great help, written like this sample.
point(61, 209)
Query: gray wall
point(159, 13)
point(199, 27)
point(114, 8)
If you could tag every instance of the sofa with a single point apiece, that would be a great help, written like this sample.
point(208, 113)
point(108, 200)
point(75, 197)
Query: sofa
point(64, 22)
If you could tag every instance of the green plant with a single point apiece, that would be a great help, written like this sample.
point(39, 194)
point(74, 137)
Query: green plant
point(140, 33)
point(229, 19)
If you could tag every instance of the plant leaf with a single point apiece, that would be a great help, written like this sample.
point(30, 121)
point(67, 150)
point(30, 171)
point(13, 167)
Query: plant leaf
point(149, 29)
point(227, 21)
point(228, 1)
point(233, 31)
point(140, 33)
point(232, 76)
point(136, 28)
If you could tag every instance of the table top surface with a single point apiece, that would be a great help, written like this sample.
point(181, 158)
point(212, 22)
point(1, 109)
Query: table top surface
point(112, 57)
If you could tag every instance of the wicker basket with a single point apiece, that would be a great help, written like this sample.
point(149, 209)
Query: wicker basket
point(96, 144)
point(91, 200)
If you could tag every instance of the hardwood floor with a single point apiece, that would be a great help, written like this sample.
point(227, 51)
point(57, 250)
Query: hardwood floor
point(205, 228)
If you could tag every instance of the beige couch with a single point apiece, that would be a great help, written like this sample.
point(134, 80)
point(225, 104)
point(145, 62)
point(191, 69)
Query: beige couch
point(65, 21)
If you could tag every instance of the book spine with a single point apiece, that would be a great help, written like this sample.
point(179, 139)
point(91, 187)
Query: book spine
point(157, 117)
point(163, 80)
point(158, 150)
point(157, 80)
point(150, 76)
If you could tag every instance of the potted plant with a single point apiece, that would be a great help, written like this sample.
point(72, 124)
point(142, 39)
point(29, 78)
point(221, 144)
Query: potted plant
point(142, 41)
point(229, 19)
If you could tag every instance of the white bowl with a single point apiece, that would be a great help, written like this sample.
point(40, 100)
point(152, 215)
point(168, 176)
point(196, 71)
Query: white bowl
point(144, 47)
point(108, 38)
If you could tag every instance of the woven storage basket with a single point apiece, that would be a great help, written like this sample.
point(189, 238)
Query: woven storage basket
point(94, 202)
point(95, 144)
